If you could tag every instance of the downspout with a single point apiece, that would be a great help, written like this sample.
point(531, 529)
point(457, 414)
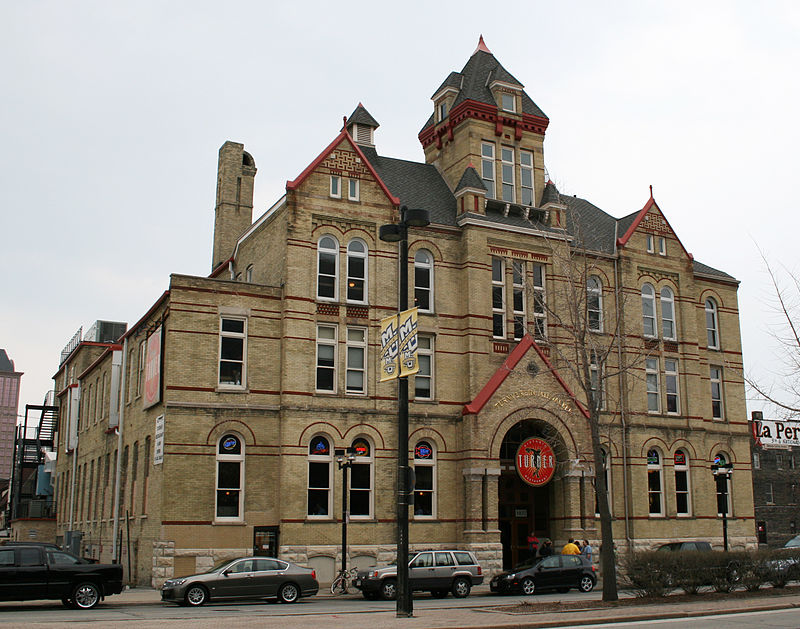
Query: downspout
point(623, 397)
point(74, 460)
point(123, 388)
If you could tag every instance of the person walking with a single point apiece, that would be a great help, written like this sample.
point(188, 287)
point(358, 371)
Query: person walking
point(571, 548)
point(587, 550)
point(533, 543)
point(547, 548)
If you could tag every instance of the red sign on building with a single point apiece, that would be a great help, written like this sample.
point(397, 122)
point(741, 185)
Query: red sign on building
point(536, 462)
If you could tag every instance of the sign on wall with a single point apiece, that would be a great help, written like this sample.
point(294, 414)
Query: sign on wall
point(158, 442)
point(399, 346)
point(152, 370)
point(776, 432)
point(535, 462)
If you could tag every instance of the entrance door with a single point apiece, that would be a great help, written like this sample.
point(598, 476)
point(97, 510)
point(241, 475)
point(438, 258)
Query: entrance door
point(265, 541)
point(522, 509)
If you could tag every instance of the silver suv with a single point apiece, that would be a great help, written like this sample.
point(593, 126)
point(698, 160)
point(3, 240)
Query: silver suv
point(436, 571)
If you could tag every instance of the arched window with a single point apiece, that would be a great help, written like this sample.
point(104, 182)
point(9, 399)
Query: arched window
point(681, 466)
point(723, 487)
point(230, 477)
point(668, 314)
point(320, 461)
point(327, 268)
point(648, 310)
point(423, 280)
point(424, 480)
point(361, 480)
point(357, 271)
point(655, 483)
point(605, 469)
point(594, 303)
point(712, 323)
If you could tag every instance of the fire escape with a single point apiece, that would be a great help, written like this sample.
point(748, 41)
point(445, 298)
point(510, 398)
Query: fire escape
point(34, 448)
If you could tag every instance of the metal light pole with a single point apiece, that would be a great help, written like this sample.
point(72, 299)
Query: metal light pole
point(350, 455)
point(398, 232)
point(722, 474)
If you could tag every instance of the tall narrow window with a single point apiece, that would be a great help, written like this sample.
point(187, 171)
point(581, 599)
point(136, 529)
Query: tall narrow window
point(326, 358)
point(518, 298)
point(424, 480)
point(423, 379)
point(648, 310)
point(671, 386)
point(361, 480)
point(651, 374)
point(230, 478)
point(336, 186)
point(668, 314)
point(507, 170)
point(134, 476)
point(650, 243)
point(654, 483)
point(717, 407)
point(140, 370)
point(662, 246)
point(539, 301)
point(681, 465)
point(319, 477)
point(712, 324)
point(355, 378)
point(498, 298)
point(526, 177)
point(232, 351)
point(357, 271)
point(594, 304)
point(248, 273)
point(423, 280)
point(596, 374)
point(327, 268)
point(487, 168)
point(146, 473)
point(352, 189)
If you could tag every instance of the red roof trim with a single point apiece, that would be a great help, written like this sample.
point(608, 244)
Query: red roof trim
point(153, 308)
point(623, 240)
point(292, 185)
point(509, 364)
point(221, 267)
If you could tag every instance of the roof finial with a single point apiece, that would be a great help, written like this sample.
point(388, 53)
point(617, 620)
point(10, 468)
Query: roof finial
point(344, 120)
point(482, 46)
point(651, 191)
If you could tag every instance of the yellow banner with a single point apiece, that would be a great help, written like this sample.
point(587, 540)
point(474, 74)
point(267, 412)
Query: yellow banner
point(389, 349)
point(407, 335)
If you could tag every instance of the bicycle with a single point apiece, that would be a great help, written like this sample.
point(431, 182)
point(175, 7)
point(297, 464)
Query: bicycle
point(343, 580)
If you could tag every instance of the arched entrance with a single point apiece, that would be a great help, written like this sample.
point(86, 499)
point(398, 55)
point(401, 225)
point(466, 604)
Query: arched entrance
point(523, 508)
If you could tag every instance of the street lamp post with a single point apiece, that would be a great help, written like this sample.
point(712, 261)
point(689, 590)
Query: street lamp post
point(345, 460)
point(722, 474)
point(398, 232)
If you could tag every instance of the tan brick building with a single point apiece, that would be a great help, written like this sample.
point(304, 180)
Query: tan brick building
point(238, 387)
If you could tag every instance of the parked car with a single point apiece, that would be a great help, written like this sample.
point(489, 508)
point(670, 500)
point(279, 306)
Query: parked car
point(243, 578)
point(681, 546)
point(557, 572)
point(436, 571)
point(31, 572)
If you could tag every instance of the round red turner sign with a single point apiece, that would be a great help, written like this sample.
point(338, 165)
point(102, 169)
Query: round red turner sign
point(536, 462)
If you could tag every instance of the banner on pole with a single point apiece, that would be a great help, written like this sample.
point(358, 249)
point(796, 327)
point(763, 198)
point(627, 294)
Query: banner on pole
point(399, 346)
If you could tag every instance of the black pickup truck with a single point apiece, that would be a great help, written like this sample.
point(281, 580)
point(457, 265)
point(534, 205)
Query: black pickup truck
point(29, 573)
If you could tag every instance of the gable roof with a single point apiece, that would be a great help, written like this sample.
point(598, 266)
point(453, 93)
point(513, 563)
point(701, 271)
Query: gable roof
point(651, 203)
point(361, 116)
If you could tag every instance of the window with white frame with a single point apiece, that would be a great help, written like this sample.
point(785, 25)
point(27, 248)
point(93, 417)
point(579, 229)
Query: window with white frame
point(361, 475)
point(594, 304)
point(232, 351)
point(650, 243)
point(320, 462)
point(648, 310)
point(756, 461)
point(651, 375)
point(605, 470)
point(424, 480)
point(539, 301)
point(681, 468)
point(507, 173)
point(230, 478)
point(508, 102)
point(423, 379)
point(655, 483)
point(770, 494)
point(498, 298)
point(596, 375)
point(352, 189)
point(327, 268)
point(668, 314)
point(140, 370)
point(355, 377)
point(662, 246)
point(442, 110)
point(518, 298)
point(357, 271)
point(487, 168)
point(717, 407)
point(423, 280)
point(336, 186)
point(526, 177)
point(248, 273)
point(326, 358)
point(712, 324)
point(671, 386)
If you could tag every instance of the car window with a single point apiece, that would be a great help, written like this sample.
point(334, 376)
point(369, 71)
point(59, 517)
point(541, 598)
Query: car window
point(793, 543)
point(7, 557)
point(464, 559)
point(571, 561)
point(243, 566)
point(30, 557)
point(58, 558)
point(423, 560)
point(550, 562)
point(443, 559)
point(267, 564)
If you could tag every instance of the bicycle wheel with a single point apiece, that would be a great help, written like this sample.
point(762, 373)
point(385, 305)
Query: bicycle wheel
point(338, 586)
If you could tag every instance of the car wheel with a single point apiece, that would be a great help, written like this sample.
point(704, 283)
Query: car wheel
point(196, 595)
point(288, 593)
point(85, 596)
point(586, 584)
point(461, 588)
point(439, 593)
point(528, 586)
point(389, 590)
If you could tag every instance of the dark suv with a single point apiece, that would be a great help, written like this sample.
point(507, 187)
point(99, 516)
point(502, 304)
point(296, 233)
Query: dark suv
point(436, 571)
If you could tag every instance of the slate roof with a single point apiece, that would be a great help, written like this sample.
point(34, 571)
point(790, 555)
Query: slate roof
point(361, 116)
point(453, 80)
point(470, 179)
point(6, 364)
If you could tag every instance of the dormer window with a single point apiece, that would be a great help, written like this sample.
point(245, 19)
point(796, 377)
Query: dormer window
point(508, 102)
point(442, 110)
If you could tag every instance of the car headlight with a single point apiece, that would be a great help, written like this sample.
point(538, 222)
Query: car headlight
point(175, 582)
point(511, 577)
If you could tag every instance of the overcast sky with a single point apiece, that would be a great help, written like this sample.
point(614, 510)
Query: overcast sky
point(113, 112)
